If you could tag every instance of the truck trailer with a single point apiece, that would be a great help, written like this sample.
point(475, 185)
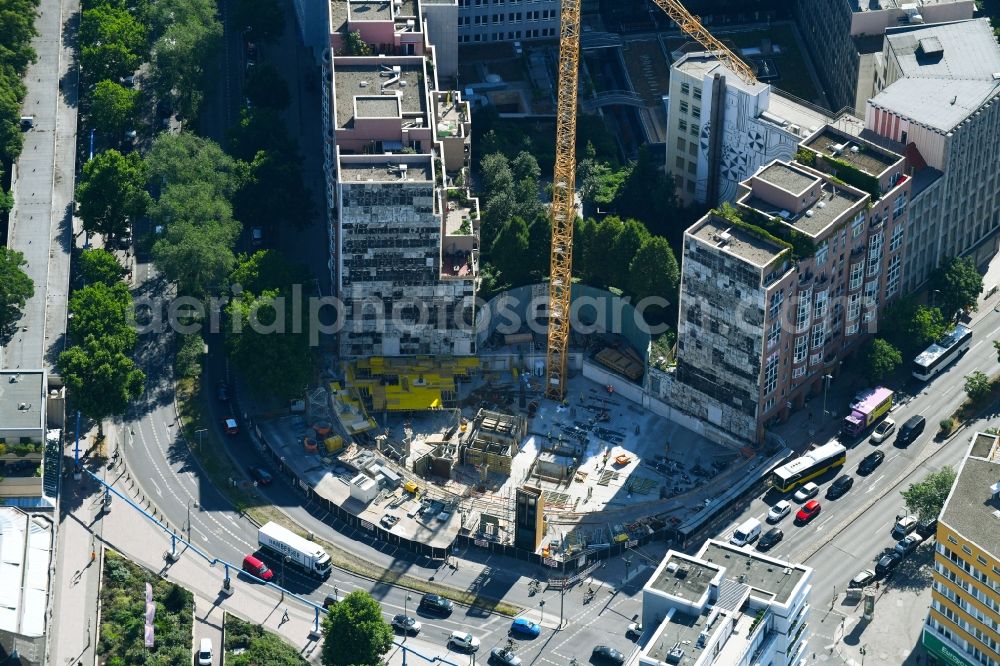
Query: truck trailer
point(302, 553)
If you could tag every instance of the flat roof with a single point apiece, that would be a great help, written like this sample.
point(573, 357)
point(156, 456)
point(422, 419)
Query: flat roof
point(377, 107)
point(766, 577)
point(690, 581)
point(338, 15)
point(784, 176)
point(378, 79)
point(876, 5)
point(25, 556)
point(973, 508)
point(796, 111)
point(683, 628)
point(369, 10)
point(724, 235)
point(869, 158)
point(385, 171)
point(833, 202)
point(703, 63)
point(22, 399)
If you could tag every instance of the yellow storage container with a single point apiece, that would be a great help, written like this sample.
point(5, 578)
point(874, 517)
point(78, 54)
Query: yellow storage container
point(333, 444)
point(410, 487)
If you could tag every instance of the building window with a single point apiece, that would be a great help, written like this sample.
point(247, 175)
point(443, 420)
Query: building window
point(899, 205)
point(819, 335)
point(692, 168)
point(696, 111)
point(892, 277)
point(897, 238)
point(820, 307)
point(799, 372)
point(684, 107)
point(693, 148)
point(681, 144)
point(697, 93)
point(967, 550)
point(871, 294)
point(679, 163)
point(769, 405)
point(852, 329)
point(777, 298)
point(858, 224)
point(821, 253)
point(857, 274)
point(801, 349)
point(875, 254)
point(685, 88)
point(853, 307)
point(774, 335)
point(682, 125)
point(497, 18)
point(771, 374)
point(802, 313)
point(690, 186)
point(952, 539)
point(815, 359)
point(695, 128)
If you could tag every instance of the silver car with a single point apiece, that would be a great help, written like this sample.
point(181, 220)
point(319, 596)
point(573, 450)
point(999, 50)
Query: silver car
point(882, 431)
point(460, 640)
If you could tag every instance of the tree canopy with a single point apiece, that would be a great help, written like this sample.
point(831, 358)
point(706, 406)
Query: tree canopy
point(197, 257)
point(911, 327)
point(111, 192)
point(926, 498)
point(113, 108)
point(15, 290)
point(880, 359)
point(266, 87)
point(189, 33)
point(99, 265)
point(104, 313)
point(184, 157)
point(101, 381)
point(958, 285)
point(112, 43)
point(355, 633)
point(977, 385)
point(264, 18)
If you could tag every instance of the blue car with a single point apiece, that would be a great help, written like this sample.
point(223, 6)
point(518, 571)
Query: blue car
point(525, 627)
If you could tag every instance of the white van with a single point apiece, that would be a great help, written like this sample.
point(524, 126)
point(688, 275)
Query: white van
point(205, 652)
point(746, 533)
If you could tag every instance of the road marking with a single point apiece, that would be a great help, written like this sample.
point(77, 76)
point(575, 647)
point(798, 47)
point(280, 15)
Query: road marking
point(200, 533)
point(156, 488)
point(874, 483)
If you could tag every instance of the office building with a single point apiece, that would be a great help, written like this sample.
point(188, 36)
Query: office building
point(845, 36)
point(963, 623)
point(403, 236)
point(507, 20)
point(938, 98)
point(777, 290)
point(726, 606)
point(759, 124)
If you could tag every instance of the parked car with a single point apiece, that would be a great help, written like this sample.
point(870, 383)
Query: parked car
point(504, 657)
point(406, 624)
point(865, 577)
point(464, 641)
point(257, 236)
point(433, 603)
point(222, 391)
point(388, 520)
point(910, 430)
point(882, 431)
point(330, 601)
point(230, 426)
point(904, 526)
point(205, 652)
point(806, 492)
point(888, 563)
point(253, 565)
point(634, 630)
point(607, 655)
point(522, 626)
point(870, 462)
point(908, 544)
point(808, 511)
point(771, 537)
point(839, 487)
point(779, 511)
point(260, 475)
point(927, 529)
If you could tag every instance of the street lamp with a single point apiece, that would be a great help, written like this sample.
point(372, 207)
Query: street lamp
point(541, 606)
point(405, 600)
point(200, 432)
point(827, 378)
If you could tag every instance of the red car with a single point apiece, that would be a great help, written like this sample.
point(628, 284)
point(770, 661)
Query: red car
point(230, 426)
point(808, 511)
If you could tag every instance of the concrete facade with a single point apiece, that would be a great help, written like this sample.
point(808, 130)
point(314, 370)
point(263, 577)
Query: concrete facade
point(779, 291)
point(940, 98)
point(842, 35)
point(759, 124)
point(507, 20)
point(726, 606)
point(963, 623)
point(403, 238)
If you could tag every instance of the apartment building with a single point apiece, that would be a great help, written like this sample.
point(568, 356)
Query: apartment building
point(720, 130)
point(844, 37)
point(938, 97)
point(963, 623)
point(779, 289)
point(403, 237)
point(507, 20)
point(726, 606)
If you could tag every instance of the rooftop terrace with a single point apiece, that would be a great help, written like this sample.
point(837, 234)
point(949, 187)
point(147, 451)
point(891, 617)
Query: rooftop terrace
point(833, 202)
point(369, 10)
point(373, 80)
point(789, 179)
point(721, 233)
point(862, 155)
point(973, 508)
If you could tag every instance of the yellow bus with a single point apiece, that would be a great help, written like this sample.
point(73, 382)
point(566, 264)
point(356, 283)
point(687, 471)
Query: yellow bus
point(808, 466)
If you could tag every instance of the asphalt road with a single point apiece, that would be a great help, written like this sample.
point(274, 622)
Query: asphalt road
point(847, 537)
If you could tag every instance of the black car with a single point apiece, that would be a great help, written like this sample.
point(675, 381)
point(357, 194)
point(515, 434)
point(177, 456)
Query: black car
point(330, 601)
point(433, 603)
point(607, 655)
point(260, 475)
point(888, 563)
point(927, 529)
point(864, 578)
point(871, 461)
point(839, 487)
point(771, 537)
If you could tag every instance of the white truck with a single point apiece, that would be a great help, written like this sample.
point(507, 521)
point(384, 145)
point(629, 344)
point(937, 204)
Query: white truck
point(302, 553)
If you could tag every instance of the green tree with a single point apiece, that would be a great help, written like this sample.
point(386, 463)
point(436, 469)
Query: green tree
point(525, 167)
point(977, 385)
point(648, 194)
point(193, 203)
point(101, 381)
point(508, 252)
point(259, 129)
point(599, 183)
point(958, 284)
point(880, 359)
point(926, 498)
point(273, 193)
point(653, 271)
point(113, 107)
point(497, 176)
point(102, 313)
point(911, 327)
point(197, 257)
point(178, 62)
point(538, 255)
point(355, 633)
point(185, 157)
point(111, 192)
point(15, 290)
point(619, 256)
point(190, 347)
point(264, 18)
point(112, 43)
point(355, 45)
point(266, 87)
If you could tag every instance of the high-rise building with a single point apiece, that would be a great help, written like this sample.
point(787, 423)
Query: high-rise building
point(844, 38)
point(938, 97)
point(777, 290)
point(725, 606)
point(963, 624)
point(507, 20)
point(403, 235)
point(720, 129)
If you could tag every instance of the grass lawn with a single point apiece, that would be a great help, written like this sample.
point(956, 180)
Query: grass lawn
point(123, 604)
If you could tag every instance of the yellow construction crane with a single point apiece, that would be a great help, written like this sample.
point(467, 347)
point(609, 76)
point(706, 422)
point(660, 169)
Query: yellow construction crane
point(563, 209)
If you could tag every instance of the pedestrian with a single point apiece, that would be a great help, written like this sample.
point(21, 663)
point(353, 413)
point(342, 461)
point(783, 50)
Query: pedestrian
point(284, 618)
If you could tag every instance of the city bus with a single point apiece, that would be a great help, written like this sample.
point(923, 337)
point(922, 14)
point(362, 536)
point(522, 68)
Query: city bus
point(808, 466)
point(937, 357)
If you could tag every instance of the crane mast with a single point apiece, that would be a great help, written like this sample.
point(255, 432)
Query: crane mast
point(563, 209)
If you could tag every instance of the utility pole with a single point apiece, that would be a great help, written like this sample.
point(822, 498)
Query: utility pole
point(200, 432)
point(826, 385)
point(628, 563)
point(541, 605)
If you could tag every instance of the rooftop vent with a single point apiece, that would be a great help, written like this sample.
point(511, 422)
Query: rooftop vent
point(809, 213)
point(24, 406)
point(676, 655)
point(671, 567)
point(821, 204)
point(362, 84)
point(855, 150)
